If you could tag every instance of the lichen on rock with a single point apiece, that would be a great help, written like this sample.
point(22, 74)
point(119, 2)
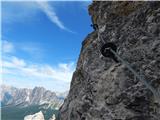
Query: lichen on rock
point(104, 90)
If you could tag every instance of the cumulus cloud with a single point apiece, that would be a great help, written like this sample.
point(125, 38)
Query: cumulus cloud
point(15, 66)
point(32, 49)
point(62, 72)
point(7, 47)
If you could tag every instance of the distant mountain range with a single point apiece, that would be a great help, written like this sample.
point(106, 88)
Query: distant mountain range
point(18, 103)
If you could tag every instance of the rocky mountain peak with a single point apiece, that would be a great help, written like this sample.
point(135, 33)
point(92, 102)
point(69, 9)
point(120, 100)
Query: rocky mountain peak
point(25, 97)
point(41, 89)
point(102, 89)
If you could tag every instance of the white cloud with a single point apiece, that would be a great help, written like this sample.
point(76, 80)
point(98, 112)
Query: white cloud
point(51, 14)
point(62, 72)
point(32, 49)
point(7, 47)
point(18, 62)
point(28, 11)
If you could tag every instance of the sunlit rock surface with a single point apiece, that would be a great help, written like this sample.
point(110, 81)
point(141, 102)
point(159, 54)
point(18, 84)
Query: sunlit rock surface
point(104, 90)
point(53, 117)
point(36, 116)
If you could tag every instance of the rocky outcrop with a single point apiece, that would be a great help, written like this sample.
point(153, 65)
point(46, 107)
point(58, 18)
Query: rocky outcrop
point(36, 116)
point(102, 89)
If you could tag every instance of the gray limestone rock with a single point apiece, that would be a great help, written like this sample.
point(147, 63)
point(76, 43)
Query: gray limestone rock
point(104, 90)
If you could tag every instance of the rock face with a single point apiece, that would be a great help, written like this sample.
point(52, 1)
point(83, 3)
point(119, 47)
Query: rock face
point(36, 116)
point(24, 97)
point(102, 89)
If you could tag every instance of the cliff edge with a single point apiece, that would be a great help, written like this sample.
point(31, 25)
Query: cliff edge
point(102, 89)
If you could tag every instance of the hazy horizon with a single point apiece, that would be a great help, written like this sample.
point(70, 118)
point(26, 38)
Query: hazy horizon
point(57, 92)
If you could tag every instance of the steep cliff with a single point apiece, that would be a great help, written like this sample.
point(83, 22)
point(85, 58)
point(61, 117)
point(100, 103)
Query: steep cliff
point(102, 89)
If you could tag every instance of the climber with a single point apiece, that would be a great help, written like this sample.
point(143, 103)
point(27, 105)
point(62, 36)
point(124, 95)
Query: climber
point(105, 50)
point(95, 26)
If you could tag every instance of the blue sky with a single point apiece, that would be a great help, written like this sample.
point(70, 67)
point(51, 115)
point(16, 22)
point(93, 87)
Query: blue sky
point(41, 42)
